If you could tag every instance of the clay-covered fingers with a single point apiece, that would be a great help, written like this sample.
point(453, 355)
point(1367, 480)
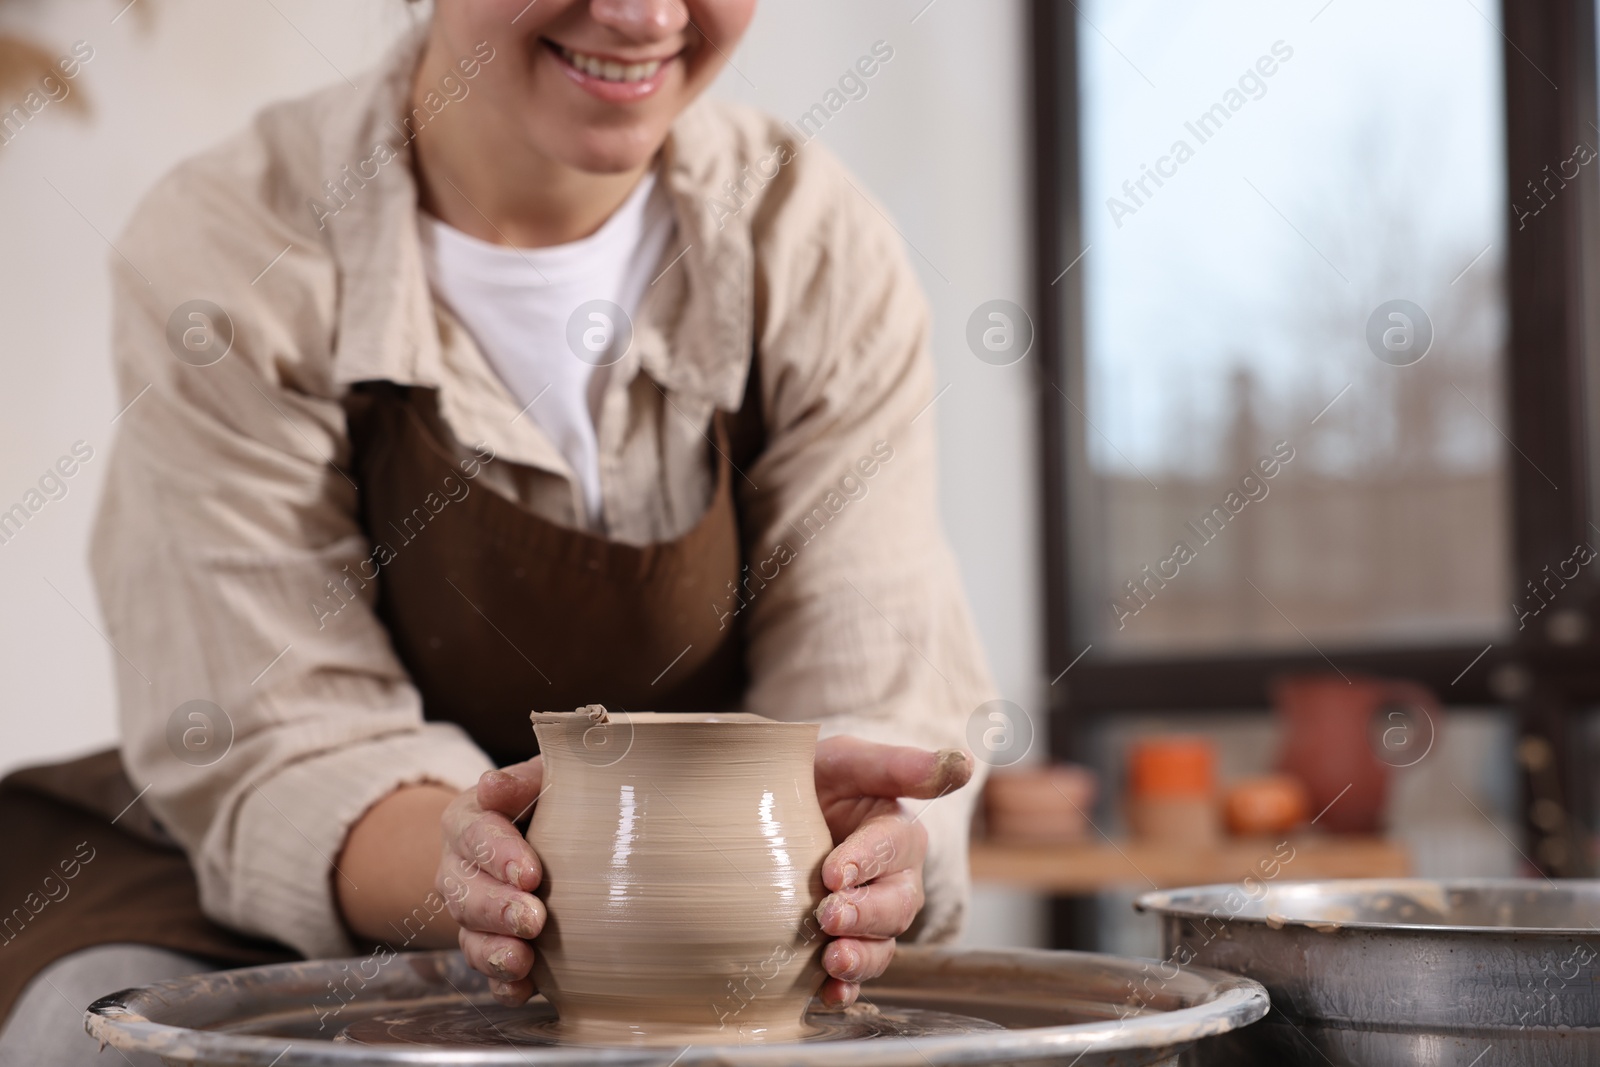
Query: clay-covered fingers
point(884, 909)
point(488, 841)
point(486, 874)
point(884, 844)
point(507, 960)
point(480, 902)
point(876, 880)
point(486, 838)
point(857, 779)
point(511, 790)
point(850, 962)
point(851, 766)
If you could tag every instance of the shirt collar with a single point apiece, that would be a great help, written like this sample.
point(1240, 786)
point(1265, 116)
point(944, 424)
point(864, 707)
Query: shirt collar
point(695, 329)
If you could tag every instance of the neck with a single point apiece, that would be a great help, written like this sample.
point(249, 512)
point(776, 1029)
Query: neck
point(476, 174)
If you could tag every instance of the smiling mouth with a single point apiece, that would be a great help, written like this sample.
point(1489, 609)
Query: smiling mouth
point(606, 69)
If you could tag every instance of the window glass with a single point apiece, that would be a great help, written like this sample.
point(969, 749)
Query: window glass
point(1295, 220)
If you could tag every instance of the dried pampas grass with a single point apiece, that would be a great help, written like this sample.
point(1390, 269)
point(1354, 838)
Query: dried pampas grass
point(24, 63)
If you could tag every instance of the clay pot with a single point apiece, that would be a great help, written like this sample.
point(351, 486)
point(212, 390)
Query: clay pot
point(682, 866)
point(1342, 748)
point(1265, 804)
point(1039, 804)
point(1172, 790)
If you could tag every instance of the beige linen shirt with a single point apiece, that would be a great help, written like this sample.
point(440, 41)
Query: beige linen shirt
point(230, 509)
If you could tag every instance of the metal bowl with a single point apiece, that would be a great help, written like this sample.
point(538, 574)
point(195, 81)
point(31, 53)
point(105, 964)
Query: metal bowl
point(1400, 971)
point(934, 1007)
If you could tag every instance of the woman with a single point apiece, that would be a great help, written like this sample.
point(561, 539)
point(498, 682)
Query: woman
point(516, 377)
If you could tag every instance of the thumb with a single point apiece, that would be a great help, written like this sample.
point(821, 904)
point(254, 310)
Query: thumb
point(856, 767)
point(512, 789)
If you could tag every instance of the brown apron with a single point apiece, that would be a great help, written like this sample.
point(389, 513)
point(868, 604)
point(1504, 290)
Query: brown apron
point(494, 612)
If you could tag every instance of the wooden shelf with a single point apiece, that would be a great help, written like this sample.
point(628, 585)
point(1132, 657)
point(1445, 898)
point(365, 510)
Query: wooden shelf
point(1091, 866)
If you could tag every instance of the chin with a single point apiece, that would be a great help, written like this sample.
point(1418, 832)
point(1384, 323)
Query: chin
point(610, 151)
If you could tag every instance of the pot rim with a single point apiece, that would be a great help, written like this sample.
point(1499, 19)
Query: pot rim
point(719, 719)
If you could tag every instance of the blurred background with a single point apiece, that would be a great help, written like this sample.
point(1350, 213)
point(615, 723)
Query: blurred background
point(1238, 277)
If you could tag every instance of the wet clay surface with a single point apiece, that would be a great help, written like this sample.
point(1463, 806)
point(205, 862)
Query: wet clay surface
point(490, 1026)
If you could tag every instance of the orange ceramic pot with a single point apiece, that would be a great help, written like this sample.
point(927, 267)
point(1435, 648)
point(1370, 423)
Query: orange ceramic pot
point(682, 863)
point(1172, 784)
point(1266, 804)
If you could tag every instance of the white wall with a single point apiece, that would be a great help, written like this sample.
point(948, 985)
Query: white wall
point(939, 140)
point(167, 78)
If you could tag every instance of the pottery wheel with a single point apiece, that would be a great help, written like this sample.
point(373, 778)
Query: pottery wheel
point(493, 1025)
point(933, 1008)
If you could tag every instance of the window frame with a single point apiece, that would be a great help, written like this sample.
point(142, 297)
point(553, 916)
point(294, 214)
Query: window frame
point(1551, 402)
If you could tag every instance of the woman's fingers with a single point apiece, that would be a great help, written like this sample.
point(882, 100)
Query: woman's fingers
point(853, 767)
point(486, 837)
point(855, 961)
point(511, 994)
point(503, 959)
point(511, 790)
point(857, 779)
point(837, 994)
point(875, 876)
point(882, 845)
point(488, 841)
point(486, 874)
point(883, 909)
point(481, 902)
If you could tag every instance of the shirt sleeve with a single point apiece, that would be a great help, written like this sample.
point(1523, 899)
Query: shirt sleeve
point(228, 511)
point(854, 609)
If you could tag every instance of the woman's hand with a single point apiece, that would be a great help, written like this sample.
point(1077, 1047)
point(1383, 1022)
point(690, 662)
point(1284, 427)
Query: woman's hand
point(874, 874)
point(488, 873)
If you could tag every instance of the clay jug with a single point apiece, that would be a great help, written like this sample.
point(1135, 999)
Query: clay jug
point(1343, 737)
point(682, 866)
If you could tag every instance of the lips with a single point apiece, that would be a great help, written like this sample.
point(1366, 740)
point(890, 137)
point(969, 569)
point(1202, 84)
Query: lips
point(614, 79)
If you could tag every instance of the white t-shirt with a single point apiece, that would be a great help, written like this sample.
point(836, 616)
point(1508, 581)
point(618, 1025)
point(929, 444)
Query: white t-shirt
point(518, 304)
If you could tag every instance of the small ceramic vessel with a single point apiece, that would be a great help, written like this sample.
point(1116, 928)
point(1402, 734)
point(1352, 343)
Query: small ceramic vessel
point(682, 863)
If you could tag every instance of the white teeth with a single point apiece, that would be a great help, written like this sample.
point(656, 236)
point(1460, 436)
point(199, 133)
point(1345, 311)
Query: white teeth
point(610, 70)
